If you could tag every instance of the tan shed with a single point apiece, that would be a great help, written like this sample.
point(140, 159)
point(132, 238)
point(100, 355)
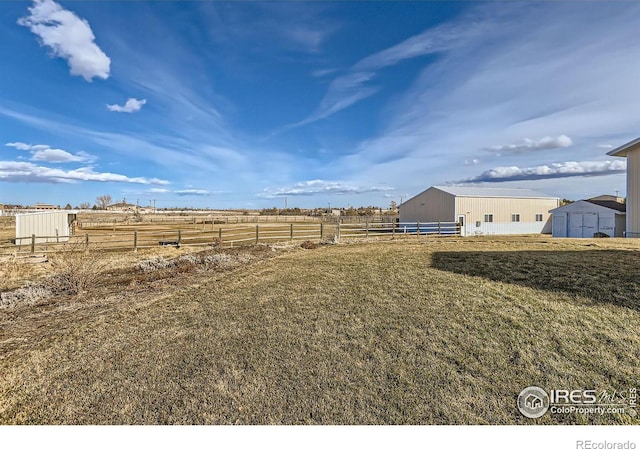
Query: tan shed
point(631, 150)
point(482, 210)
point(53, 226)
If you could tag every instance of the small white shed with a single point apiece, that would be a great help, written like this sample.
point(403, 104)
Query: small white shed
point(586, 218)
point(51, 226)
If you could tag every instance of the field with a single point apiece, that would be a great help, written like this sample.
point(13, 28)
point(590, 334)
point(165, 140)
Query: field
point(411, 331)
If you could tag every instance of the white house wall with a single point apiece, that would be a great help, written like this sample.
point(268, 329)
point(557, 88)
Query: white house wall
point(633, 193)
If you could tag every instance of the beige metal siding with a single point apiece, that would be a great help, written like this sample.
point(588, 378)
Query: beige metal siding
point(474, 209)
point(633, 193)
point(429, 206)
point(44, 226)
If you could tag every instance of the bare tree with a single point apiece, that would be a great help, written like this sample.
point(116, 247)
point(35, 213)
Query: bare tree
point(103, 201)
point(85, 206)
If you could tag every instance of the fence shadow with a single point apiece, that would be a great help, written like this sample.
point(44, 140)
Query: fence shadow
point(604, 276)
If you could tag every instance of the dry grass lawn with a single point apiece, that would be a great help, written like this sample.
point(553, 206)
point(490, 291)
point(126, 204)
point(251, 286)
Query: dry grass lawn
point(435, 331)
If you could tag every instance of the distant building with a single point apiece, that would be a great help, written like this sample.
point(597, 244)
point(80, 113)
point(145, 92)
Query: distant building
point(590, 218)
point(121, 207)
point(631, 150)
point(617, 199)
point(43, 206)
point(482, 210)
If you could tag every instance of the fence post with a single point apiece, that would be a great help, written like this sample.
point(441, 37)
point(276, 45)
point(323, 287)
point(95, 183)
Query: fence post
point(366, 230)
point(86, 243)
point(57, 237)
point(439, 228)
point(135, 241)
point(33, 243)
point(321, 231)
point(179, 236)
point(338, 232)
point(220, 235)
point(291, 232)
point(393, 231)
point(417, 229)
point(256, 234)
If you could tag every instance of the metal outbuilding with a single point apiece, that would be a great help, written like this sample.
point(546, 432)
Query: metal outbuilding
point(589, 218)
point(51, 226)
point(482, 210)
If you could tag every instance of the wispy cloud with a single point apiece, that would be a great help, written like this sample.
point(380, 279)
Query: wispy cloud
point(131, 105)
point(157, 190)
point(192, 192)
point(26, 146)
point(15, 171)
point(527, 145)
point(45, 153)
point(550, 171)
point(318, 186)
point(69, 37)
point(529, 73)
point(354, 86)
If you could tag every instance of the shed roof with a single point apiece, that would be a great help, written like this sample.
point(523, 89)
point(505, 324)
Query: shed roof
point(611, 205)
point(624, 149)
point(620, 207)
point(492, 192)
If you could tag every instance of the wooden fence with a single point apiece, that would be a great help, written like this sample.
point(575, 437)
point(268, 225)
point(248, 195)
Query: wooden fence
point(226, 237)
point(195, 220)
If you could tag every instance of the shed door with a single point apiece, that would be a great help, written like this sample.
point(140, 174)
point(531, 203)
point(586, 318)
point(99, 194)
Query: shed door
point(606, 225)
point(589, 224)
point(574, 225)
point(582, 225)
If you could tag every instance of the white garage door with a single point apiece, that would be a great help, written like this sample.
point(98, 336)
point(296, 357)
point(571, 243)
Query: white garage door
point(582, 225)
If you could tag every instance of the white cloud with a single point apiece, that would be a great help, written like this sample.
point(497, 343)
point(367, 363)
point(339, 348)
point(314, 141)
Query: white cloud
point(26, 146)
point(192, 192)
point(47, 154)
point(158, 190)
point(318, 186)
point(57, 155)
point(12, 171)
point(555, 170)
point(69, 37)
point(131, 105)
point(526, 145)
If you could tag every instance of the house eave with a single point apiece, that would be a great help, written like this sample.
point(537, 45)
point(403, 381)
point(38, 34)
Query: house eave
point(623, 150)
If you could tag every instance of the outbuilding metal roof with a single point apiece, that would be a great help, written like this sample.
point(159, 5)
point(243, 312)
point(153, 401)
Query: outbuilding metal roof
point(492, 192)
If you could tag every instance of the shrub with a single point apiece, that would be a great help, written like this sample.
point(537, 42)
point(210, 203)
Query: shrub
point(77, 270)
point(307, 244)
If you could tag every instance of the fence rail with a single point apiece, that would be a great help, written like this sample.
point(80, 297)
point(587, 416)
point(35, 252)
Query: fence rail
point(238, 235)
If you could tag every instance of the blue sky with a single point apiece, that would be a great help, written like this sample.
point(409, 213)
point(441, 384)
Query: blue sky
point(244, 104)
